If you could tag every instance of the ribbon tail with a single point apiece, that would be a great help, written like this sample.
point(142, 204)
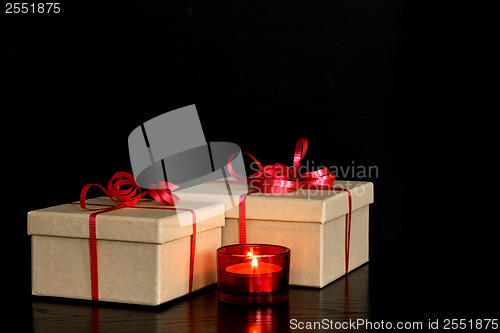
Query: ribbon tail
point(94, 280)
point(191, 259)
point(193, 248)
point(348, 241)
point(242, 218)
point(94, 276)
point(347, 227)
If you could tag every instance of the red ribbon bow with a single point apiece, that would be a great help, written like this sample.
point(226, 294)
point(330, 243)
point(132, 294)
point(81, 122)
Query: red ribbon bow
point(128, 197)
point(279, 178)
point(132, 195)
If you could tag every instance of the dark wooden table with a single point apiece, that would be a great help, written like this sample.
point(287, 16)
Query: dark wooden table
point(347, 298)
point(394, 287)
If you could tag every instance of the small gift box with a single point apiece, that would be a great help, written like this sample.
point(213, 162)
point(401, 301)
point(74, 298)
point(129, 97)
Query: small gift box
point(324, 223)
point(147, 253)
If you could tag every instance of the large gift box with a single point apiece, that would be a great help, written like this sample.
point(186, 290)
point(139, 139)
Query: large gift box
point(313, 223)
point(144, 253)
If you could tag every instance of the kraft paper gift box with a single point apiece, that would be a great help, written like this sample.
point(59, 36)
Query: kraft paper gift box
point(143, 254)
point(312, 223)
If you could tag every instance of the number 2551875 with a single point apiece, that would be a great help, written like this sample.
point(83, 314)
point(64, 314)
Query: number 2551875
point(32, 8)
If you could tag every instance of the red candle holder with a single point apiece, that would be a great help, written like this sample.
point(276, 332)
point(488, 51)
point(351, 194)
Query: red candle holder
point(253, 273)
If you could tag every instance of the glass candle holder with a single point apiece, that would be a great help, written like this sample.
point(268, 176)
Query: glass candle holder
point(253, 273)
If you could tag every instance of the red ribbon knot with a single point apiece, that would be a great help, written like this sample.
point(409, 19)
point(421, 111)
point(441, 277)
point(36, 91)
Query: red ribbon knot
point(132, 194)
point(279, 178)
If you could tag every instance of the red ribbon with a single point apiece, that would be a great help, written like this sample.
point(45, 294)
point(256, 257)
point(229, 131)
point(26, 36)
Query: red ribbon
point(128, 197)
point(279, 178)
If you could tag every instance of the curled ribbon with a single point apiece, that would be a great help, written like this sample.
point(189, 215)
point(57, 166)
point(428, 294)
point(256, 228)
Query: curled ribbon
point(132, 195)
point(128, 197)
point(279, 178)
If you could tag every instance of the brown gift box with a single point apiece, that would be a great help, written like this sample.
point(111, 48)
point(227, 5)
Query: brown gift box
point(143, 254)
point(312, 223)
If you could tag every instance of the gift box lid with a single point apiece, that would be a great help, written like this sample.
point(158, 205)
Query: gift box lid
point(301, 205)
point(146, 222)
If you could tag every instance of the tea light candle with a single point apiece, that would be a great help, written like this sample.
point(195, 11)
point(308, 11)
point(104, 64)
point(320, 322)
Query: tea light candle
point(259, 276)
point(253, 277)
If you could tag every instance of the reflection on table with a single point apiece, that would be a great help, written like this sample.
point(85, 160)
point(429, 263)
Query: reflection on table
point(344, 299)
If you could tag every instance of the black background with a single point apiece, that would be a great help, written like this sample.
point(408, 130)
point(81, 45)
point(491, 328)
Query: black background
point(356, 78)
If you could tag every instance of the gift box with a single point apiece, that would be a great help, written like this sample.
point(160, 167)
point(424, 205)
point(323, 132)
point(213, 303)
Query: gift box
point(143, 252)
point(313, 223)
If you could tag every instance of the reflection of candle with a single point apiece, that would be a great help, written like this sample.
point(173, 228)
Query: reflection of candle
point(253, 276)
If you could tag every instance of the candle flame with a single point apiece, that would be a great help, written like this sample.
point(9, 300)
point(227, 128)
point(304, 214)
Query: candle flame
point(255, 263)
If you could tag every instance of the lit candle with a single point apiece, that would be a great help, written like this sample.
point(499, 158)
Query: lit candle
point(253, 277)
point(253, 273)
